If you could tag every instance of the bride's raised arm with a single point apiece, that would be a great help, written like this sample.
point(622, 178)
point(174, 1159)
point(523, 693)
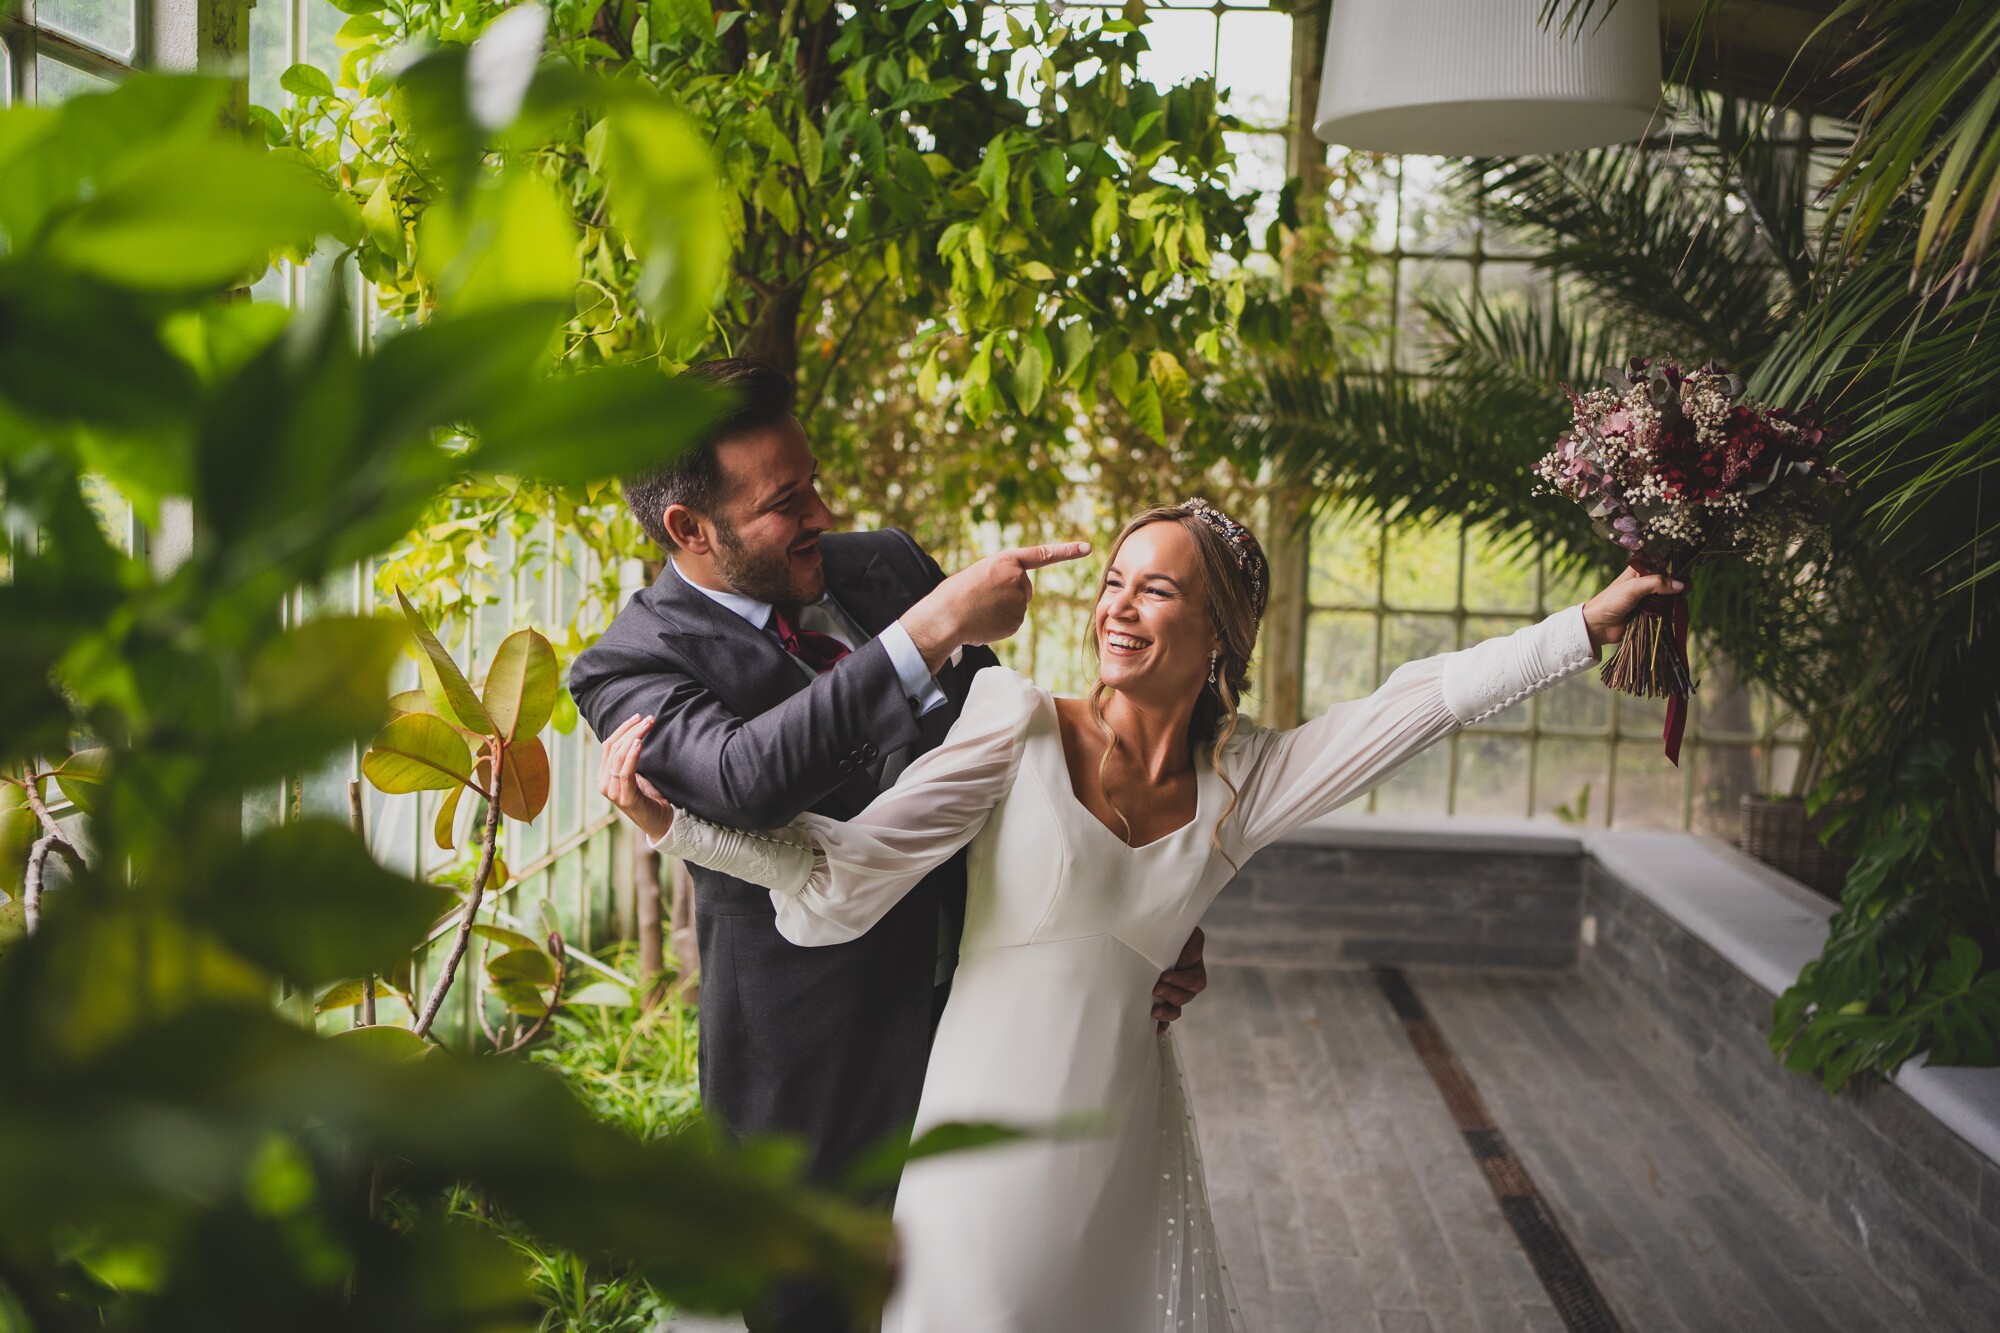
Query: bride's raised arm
point(832, 879)
point(1290, 777)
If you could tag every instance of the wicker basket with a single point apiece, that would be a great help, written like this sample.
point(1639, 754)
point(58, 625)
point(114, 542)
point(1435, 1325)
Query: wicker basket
point(1778, 832)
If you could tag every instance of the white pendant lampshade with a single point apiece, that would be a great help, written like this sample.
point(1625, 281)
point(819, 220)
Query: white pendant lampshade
point(1484, 78)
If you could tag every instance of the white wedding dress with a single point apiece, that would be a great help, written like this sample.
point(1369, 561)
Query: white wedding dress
point(1067, 931)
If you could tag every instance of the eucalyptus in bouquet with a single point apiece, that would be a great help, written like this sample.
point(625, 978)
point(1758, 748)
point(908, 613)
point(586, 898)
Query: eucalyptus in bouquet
point(1679, 469)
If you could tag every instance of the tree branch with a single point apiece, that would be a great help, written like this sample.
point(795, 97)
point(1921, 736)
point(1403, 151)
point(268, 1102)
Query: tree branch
point(840, 348)
point(489, 838)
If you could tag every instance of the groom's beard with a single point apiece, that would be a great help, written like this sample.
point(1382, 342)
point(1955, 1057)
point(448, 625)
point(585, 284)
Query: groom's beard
point(764, 577)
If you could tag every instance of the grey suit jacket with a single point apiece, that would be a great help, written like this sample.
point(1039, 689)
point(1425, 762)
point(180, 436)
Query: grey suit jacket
point(828, 1044)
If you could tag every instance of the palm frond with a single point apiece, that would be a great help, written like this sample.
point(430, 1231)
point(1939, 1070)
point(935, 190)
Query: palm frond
point(1700, 245)
point(1930, 131)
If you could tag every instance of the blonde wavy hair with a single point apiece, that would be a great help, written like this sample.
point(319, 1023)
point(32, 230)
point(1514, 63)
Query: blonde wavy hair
point(1235, 609)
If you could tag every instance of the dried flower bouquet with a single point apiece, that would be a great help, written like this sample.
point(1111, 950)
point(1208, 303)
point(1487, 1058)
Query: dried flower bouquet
point(1679, 469)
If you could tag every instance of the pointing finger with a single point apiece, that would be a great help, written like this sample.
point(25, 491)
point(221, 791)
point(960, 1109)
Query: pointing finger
point(1054, 553)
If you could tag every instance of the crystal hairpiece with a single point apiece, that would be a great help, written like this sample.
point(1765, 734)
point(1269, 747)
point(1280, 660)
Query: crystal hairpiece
point(1242, 545)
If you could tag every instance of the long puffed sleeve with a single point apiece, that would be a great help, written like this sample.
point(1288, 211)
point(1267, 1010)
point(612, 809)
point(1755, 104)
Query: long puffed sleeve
point(1288, 778)
point(832, 879)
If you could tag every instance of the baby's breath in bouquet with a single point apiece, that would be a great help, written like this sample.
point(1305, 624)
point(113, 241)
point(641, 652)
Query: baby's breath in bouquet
point(1679, 469)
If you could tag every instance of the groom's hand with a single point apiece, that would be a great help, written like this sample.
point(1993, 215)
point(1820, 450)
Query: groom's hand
point(982, 603)
point(1186, 979)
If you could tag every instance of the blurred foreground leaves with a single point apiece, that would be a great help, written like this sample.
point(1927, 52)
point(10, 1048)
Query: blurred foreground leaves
point(173, 1152)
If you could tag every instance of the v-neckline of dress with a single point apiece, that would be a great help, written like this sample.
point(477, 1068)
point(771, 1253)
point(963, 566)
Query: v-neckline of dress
point(1069, 790)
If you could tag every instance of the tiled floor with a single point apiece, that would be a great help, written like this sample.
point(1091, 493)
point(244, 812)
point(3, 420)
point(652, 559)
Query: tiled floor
point(1347, 1201)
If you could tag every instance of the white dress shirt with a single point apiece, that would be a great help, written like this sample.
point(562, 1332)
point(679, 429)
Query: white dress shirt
point(827, 617)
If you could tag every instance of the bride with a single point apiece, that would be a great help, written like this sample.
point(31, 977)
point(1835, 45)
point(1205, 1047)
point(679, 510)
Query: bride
point(1100, 830)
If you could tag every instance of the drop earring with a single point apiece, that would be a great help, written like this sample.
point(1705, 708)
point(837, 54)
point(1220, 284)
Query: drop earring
point(1213, 658)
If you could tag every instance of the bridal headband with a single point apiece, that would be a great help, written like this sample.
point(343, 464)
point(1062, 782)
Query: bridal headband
point(1242, 545)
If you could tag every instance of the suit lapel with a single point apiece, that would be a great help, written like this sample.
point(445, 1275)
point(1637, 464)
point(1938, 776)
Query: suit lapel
point(740, 662)
point(864, 583)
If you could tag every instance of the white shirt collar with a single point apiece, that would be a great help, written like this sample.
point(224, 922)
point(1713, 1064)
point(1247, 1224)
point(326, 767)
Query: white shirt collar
point(749, 608)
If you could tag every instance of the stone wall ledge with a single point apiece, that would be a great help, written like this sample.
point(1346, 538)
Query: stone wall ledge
point(1769, 926)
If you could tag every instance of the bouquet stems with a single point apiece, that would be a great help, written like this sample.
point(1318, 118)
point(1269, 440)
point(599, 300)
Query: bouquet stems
point(1651, 659)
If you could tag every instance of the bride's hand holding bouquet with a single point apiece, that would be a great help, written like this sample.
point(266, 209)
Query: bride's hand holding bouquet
point(1679, 469)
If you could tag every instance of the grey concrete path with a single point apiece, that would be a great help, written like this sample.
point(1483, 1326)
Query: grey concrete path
point(1347, 1201)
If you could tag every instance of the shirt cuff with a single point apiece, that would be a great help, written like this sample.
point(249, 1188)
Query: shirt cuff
point(918, 684)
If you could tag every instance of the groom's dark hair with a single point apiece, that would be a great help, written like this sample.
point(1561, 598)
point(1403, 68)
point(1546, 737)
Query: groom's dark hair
point(760, 397)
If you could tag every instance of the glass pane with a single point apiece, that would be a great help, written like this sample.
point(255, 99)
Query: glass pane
point(1499, 573)
point(1260, 166)
point(1407, 638)
point(1180, 47)
point(1419, 789)
point(1340, 658)
point(1640, 718)
point(1570, 780)
point(109, 25)
point(1514, 287)
point(1649, 791)
point(1422, 566)
point(1346, 559)
point(56, 82)
point(1722, 704)
point(1723, 775)
point(567, 798)
point(1253, 66)
point(6, 76)
point(1492, 776)
point(1433, 221)
point(1441, 282)
point(270, 52)
point(1570, 586)
point(319, 48)
point(1581, 703)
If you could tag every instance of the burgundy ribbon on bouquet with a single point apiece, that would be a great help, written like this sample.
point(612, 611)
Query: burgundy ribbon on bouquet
point(1673, 610)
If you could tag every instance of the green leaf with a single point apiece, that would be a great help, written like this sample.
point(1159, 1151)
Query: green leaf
point(306, 81)
point(1124, 376)
point(521, 685)
point(811, 153)
point(530, 965)
point(1030, 375)
point(508, 241)
point(513, 939)
point(444, 826)
point(993, 172)
point(340, 995)
point(81, 777)
point(455, 700)
point(1036, 271)
point(307, 901)
point(662, 188)
point(521, 997)
point(313, 689)
point(1145, 409)
point(683, 15)
point(605, 994)
point(417, 752)
point(383, 1041)
point(601, 423)
point(197, 216)
point(1104, 218)
point(383, 220)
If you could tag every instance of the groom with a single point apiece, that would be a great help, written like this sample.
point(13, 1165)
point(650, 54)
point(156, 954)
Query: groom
point(794, 669)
